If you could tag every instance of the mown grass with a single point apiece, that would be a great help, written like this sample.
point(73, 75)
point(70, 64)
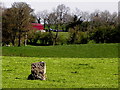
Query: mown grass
point(65, 51)
point(61, 72)
point(68, 66)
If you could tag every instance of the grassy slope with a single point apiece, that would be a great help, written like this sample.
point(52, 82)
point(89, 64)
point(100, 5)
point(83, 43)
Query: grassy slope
point(62, 72)
point(74, 51)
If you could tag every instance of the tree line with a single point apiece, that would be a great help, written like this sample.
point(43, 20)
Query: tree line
point(82, 27)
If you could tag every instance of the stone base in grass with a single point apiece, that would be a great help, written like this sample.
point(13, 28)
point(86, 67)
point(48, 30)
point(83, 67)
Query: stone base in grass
point(38, 71)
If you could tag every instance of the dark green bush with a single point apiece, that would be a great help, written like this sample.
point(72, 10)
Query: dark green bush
point(33, 37)
point(46, 38)
point(77, 37)
point(105, 34)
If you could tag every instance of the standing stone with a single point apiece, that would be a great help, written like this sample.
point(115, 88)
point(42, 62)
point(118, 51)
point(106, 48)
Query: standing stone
point(38, 71)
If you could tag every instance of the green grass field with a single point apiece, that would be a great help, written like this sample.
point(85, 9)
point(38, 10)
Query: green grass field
point(62, 72)
point(66, 51)
point(68, 66)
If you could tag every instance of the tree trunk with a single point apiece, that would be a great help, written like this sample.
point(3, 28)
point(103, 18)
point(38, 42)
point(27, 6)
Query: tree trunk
point(44, 23)
point(13, 41)
point(56, 36)
point(39, 20)
point(19, 40)
point(25, 40)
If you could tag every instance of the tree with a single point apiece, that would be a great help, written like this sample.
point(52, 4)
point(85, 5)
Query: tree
point(16, 22)
point(8, 30)
point(22, 13)
point(85, 16)
point(1, 11)
point(74, 29)
point(38, 17)
point(60, 16)
point(42, 16)
point(114, 18)
point(62, 12)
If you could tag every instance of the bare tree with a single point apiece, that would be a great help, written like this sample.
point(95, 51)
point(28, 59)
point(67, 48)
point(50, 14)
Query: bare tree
point(77, 12)
point(105, 17)
point(95, 15)
point(42, 16)
point(59, 16)
point(62, 13)
point(53, 20)
point(38, 17)
point(114, 18)
point(85, 16)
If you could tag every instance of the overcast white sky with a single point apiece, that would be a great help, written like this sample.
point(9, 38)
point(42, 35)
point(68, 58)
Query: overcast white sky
point(84, 5)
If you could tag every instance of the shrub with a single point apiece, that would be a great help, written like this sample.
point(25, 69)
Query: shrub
point(91, 42)
point(77, 37)
point(46, 38)
point(62, 40)
point(33, 37)
point(105, 34)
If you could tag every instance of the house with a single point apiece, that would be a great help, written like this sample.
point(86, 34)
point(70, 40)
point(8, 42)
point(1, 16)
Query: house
point(38, 27)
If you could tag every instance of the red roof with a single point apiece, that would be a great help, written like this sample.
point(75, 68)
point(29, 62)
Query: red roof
point(38, 26)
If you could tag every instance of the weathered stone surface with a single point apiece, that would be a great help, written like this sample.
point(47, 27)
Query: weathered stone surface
point(38, 71)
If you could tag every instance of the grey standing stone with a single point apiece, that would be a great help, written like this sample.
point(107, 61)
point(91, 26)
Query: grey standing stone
point(38, 71)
